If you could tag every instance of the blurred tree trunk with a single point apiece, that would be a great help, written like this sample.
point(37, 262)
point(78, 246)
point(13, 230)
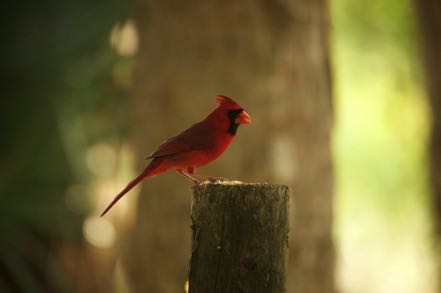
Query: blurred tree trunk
point(429, 14)
point(272, 56)
point(303, 84)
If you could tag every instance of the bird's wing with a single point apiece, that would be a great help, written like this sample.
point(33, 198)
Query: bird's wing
point(197, 137)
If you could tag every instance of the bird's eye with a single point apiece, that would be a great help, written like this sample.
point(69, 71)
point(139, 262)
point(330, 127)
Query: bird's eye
point(232, 114)
point(237, 111)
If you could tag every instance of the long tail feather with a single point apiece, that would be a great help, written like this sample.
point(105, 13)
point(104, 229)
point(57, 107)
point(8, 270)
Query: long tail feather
point(129, 186)
point(154, 168)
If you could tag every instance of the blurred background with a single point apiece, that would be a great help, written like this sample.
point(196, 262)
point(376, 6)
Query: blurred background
point(346, 105)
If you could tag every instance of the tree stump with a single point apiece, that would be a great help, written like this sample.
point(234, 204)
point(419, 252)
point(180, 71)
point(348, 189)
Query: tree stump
point(240, 238)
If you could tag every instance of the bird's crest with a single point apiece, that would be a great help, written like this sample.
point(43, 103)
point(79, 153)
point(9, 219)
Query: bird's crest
point(227, 102)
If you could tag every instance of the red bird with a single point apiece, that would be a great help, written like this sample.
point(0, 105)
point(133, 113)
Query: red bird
point(196, 146)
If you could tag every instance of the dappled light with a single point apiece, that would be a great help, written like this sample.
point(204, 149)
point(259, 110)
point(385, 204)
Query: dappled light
point(99, 232)
point(101, 160)
point(124, 38)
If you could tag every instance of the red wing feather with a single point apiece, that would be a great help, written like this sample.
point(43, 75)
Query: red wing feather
point(196, 137)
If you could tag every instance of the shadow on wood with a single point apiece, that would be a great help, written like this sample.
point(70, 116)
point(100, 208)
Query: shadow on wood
point(240, 238)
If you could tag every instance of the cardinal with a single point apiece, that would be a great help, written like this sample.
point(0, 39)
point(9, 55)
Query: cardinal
point(194, 147)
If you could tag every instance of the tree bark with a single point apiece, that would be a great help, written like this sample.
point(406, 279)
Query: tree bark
point(429, 14)
point(240, 238)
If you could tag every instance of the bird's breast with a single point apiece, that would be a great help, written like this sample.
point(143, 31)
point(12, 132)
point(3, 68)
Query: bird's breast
point(214, 148)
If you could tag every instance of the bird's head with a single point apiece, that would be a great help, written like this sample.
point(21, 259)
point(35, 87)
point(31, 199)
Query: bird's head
point(231, 114)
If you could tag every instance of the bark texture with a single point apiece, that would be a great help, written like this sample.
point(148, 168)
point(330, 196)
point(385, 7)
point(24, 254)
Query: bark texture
point(240, 238)
point(429, 14)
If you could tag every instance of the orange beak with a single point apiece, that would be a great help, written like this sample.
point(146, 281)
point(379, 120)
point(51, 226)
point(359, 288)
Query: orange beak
point(243, 118)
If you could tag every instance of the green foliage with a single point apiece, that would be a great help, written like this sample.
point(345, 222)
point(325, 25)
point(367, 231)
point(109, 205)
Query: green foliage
point(375, 24)
point(380, 149)
point(53, 57)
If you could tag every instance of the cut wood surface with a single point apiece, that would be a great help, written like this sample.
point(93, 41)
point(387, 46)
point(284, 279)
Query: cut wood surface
point(240, 238)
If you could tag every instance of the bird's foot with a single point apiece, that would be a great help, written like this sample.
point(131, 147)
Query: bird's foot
point(189, 177)
point(210, 179)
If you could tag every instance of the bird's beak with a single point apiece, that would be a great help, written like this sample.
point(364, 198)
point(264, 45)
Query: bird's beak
point(243, 118)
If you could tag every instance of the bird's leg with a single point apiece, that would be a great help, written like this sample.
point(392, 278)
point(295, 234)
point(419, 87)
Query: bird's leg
point(192, 171)
point(191, 174)
point(188, 176)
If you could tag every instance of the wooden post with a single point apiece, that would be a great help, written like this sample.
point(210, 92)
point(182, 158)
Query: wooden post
point(240, 238)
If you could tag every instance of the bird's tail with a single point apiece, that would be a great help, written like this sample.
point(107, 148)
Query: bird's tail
point(151, 170)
